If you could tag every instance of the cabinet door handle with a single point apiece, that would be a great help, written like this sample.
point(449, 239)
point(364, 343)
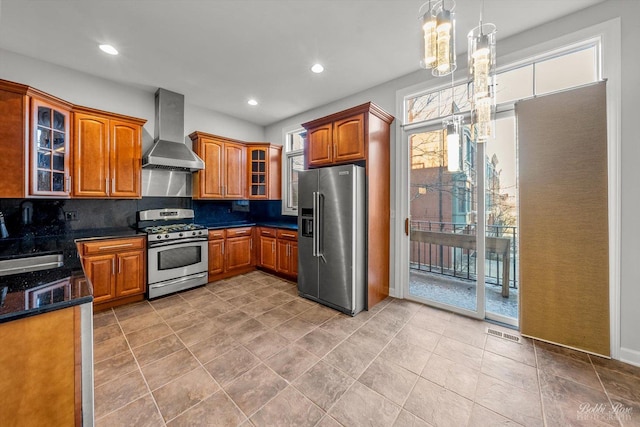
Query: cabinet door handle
point(113, 184)
point(106, 185)
point(328, 151)
point(288, 235)
point(113, 266)
point(273, 246)
point(119, 265)
point(68, 182)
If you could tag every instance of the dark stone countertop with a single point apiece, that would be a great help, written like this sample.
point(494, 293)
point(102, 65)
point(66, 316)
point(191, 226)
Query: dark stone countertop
point(28, 294)
point(273, 224)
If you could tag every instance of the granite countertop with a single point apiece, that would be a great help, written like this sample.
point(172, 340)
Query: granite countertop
point(273, 224)
point(32, 293)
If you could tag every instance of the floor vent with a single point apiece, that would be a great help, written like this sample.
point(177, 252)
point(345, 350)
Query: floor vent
point(503, 335)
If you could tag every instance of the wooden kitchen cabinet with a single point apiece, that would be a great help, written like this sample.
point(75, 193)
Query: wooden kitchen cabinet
point(287, 252)
point(264, 171)
point(339, 141)
point(239, 248)
point(224, 173)
point(230, 252)
point(361, 135)
point(279, 250)
point(267, 248)
point(40, 367)
point(35, 132)
point(107, 155)
point(50, 154)
point(116, 269)
point(216, 252)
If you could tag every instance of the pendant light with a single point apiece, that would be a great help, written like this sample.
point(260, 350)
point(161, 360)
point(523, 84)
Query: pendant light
point(453, 127)
point(438, 40)
point(482, 78)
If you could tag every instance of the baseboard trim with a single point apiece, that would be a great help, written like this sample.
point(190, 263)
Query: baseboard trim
point(630, 356)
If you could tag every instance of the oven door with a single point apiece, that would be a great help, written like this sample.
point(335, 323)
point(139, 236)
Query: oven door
point(176, 266)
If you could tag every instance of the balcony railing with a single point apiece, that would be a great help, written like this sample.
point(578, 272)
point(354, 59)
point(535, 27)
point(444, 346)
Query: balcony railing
point(449, 249)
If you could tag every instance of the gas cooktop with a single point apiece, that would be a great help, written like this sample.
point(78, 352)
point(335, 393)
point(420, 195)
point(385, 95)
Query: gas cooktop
point(171, 228)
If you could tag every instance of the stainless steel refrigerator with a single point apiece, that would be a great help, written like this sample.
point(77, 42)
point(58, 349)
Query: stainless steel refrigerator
point(332, 224)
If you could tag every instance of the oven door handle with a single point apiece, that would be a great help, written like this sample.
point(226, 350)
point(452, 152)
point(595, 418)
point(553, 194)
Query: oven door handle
point(180, 280)
point(176, 242)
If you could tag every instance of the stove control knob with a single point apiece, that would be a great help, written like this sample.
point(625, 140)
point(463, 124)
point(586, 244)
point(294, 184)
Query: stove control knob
point(158, 237)
point(166, 236)
point(180, 235)
point(193, 233)
point(199, 232)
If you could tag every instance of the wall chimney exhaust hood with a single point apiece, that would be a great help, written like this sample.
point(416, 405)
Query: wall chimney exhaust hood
point(169, 151)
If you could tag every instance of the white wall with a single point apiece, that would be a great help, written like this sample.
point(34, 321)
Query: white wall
point(628, 11)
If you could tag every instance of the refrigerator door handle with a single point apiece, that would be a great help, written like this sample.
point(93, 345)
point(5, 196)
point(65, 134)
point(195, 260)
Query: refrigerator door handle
point(315, 224)
point(320, 239)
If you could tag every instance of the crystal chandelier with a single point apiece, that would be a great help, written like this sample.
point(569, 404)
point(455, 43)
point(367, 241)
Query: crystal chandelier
point(438, 43)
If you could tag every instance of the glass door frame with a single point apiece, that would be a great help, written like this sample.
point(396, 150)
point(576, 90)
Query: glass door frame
point(405, 160)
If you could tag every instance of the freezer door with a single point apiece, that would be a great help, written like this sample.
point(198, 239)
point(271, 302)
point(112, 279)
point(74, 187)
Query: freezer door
point(336, 235)
point(307, 262)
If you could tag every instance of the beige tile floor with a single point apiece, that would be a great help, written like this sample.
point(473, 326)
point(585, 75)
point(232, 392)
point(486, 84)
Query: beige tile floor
point(248, 351)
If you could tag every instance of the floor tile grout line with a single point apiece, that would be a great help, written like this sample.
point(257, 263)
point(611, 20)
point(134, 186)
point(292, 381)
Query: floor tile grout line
point(606, 392)
point(141, 374)
point(220, 388)
point(355, 380)
point(538, 371)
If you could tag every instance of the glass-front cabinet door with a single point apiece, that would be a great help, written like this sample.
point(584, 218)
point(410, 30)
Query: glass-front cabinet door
point(50, 163)
point(258, 173)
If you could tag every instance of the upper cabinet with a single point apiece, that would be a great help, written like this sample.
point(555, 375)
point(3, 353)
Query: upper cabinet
point(49, 149)
point(34, 132)
point(264, 171)
point(346, 137)
point(340, 141)
point(107, 155)
point(236, 170)
point(224, 173)
point(40, 159)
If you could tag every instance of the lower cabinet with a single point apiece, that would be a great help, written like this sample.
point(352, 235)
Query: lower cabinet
point(41, 366)
point(267, 248)
point(230, 252)
point(116, 269)
point(279, 251)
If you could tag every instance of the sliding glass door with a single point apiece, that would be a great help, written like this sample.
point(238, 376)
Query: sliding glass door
point(448, 265)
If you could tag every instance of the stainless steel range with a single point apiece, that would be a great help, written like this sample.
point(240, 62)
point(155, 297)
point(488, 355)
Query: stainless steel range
point(177, 250)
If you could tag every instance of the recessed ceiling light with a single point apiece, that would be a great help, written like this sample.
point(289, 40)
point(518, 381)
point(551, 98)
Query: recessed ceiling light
point(317, 68)
point(252, 102)
point(107, 48)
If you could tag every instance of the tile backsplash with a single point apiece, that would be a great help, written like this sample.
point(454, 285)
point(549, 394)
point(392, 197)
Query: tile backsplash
point(59, 216)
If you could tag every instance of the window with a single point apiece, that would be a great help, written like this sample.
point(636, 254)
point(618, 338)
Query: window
point(293, 163)
point(570, 67)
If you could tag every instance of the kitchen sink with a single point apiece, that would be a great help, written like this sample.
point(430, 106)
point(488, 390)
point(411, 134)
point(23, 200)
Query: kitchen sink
point(29, 264)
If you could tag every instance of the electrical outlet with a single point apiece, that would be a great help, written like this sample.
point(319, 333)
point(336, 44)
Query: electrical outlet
point(71, 215)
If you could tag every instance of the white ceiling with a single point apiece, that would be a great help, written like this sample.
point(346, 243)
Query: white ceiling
point(220, 53)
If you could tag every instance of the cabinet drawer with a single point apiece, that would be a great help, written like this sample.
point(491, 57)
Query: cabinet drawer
point(269, 232)
point(287, 234)
point(112, 245)
point(237, 232)
point(216, 234)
